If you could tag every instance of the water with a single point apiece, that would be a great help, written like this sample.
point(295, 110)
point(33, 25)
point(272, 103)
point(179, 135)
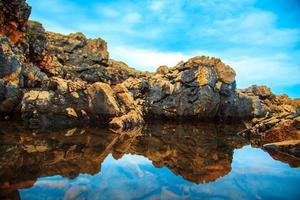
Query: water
point(170, 161)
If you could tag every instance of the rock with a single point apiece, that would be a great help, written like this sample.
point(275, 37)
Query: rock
point(224, 72)
point(207, 76)
point(2, 90)
point(128, 121)
point(263, 92)
point(9, 60)
point(32, 77)
point(162, 70)
point(75, 49)
point(297, 122)
point(71, 112)
point(13, 17)
point(70, 80)
point(102, 100)
point(35, 42)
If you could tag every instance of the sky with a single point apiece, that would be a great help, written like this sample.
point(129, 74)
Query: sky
point(260, 39)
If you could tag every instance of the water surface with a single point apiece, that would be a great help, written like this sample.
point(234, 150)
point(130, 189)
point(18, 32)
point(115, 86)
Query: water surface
point(170, 161)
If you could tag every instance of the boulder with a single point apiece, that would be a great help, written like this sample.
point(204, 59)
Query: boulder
point(162, 70)
point(102, 100)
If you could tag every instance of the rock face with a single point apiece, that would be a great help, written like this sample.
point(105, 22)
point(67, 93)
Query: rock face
point(51, 79)
point(13, 17)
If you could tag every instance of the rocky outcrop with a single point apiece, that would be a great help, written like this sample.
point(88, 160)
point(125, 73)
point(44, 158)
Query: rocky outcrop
point(50, 79)
point(201, 88)
point(13, 18)
point(280, 124)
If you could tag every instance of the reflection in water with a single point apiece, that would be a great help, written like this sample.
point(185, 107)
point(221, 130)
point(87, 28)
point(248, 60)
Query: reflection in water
point(77, 164)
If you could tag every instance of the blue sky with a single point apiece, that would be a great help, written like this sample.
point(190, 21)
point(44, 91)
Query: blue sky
point(260, 39)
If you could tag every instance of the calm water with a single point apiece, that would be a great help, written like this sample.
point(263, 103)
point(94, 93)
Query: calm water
point(204, 161)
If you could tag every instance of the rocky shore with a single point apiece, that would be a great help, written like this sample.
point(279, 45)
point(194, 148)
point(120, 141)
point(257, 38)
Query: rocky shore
point(53, 80)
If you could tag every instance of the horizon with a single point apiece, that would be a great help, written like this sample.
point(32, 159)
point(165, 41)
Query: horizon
point(258, 39)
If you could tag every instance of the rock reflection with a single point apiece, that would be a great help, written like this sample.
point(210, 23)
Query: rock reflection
point(199, 153)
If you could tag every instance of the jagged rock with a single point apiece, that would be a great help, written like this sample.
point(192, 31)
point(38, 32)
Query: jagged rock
point(75, 49)
point(9, 60)
point(102, 100)
point(198, 89)
point(35, 42)
point(32, 77)
point(128, 121)
point(263, 92)
point(225, 73)
point(13, 17)
point(84, 85)
point(12, 96)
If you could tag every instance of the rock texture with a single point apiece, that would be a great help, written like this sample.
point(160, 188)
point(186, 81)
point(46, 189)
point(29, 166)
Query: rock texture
point(50, 79)
point(13, 17)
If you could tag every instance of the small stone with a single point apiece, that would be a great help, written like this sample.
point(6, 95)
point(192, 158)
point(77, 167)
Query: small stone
point(71, 112)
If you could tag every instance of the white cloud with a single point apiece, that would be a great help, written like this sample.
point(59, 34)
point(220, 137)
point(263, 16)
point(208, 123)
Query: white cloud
point(272, 71)
point(132, 18)
point(52, 26)
point(146, 59)
point(156, 5)
point(107, 11)
point(255, 28)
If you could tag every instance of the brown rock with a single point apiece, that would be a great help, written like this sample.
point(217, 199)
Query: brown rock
point(71, 112)
point(162, 70)
point(102, 100)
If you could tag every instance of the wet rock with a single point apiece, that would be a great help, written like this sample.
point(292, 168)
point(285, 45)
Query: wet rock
point(130, 120)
